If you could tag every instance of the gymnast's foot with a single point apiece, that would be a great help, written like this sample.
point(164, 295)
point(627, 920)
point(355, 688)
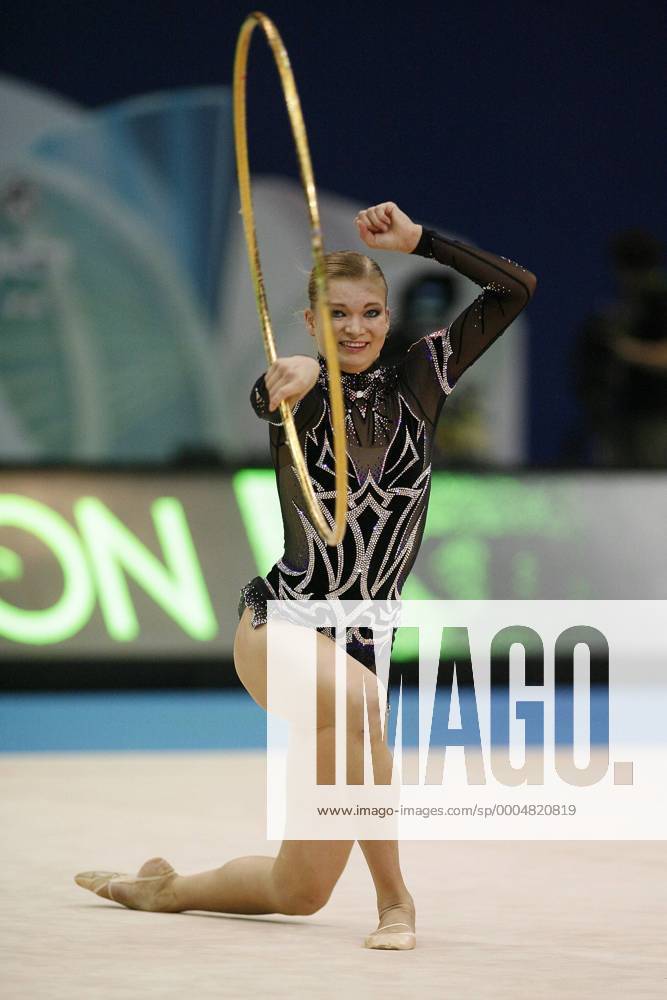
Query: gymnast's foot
point(150, 889)
point(396, 928)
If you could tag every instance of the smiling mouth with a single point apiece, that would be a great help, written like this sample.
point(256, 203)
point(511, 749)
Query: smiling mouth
point(354, 345)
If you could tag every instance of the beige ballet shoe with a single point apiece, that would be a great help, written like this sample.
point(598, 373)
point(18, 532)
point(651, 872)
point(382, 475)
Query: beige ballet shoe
point(392, 941)
point(96, 881)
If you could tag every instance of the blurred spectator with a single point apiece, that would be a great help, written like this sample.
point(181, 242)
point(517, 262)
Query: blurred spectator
point(621, 359)
point(425, 305)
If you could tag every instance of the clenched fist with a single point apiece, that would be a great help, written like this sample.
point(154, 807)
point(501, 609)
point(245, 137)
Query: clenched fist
point(386, 227)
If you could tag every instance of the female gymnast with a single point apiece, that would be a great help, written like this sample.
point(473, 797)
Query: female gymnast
point(390, 417)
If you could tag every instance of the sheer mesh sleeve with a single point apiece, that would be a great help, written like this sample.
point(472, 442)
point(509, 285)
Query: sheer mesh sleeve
point(435, 363)
point(259, 398)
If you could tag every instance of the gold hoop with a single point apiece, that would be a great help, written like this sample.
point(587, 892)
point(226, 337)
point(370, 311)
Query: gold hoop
point(332, 535)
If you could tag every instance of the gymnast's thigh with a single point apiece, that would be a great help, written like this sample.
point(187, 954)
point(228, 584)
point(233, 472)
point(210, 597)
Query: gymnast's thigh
point(294, 660)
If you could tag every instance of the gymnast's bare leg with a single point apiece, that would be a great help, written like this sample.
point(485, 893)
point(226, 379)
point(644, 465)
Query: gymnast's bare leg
point(301, 878)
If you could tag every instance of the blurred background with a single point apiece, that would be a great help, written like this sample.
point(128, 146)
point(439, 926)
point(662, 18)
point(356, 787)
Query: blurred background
point(135, 492)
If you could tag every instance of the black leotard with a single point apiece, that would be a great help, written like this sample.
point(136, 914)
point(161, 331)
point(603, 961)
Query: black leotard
point(390, 416)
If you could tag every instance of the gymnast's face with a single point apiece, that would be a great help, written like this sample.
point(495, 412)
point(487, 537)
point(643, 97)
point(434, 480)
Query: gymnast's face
point(360, 320)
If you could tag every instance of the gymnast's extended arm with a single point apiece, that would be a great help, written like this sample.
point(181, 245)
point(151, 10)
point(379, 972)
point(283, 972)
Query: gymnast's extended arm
point(290, 379)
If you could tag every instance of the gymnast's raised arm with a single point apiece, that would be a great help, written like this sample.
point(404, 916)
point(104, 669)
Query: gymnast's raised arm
point(507, 287)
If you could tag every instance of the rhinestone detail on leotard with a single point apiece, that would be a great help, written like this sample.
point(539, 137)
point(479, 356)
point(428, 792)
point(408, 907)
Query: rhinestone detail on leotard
point(390, 417)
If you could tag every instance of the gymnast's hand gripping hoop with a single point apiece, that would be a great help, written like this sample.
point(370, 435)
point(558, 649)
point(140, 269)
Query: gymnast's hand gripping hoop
point(332, 534)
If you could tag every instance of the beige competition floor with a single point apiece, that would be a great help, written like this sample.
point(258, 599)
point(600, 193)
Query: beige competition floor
point(495, 920)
